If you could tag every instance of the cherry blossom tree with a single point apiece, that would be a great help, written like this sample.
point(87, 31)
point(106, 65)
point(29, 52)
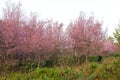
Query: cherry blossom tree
point(87, 36)
point(109, 46)
point(54, 39)
point(11, 21)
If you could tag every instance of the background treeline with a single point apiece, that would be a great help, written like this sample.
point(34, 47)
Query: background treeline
point(30, 42)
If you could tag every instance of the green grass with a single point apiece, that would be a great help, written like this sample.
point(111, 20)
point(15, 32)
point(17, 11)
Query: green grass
point(46, 74)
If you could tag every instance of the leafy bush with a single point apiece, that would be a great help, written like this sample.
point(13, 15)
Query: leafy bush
point(108, 70)
point(93, 58)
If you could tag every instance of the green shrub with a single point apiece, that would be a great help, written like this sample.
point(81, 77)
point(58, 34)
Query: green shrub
point(93, 58)
point(46, 74)
point(108, 70)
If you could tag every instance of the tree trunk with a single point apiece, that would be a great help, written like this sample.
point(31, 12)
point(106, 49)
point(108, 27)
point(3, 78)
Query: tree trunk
point(86, 59)
point(86, 65)
point(38, 56)
point(54, 60)
point(61, 59)
point(78, 61)
point(38, 61)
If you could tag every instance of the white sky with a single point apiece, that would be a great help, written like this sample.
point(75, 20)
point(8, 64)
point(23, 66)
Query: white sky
point(67, 10)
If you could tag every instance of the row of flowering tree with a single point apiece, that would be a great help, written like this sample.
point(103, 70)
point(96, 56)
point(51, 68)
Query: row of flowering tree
point(37, 40)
